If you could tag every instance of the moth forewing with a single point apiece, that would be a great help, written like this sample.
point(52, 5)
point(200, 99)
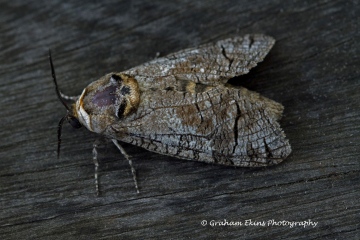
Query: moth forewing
point(180, 105)
point(229, 126)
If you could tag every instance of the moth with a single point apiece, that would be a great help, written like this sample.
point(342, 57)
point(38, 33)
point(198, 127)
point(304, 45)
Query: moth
point(181, 105)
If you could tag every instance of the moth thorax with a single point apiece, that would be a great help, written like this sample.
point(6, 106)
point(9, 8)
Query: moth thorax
point(130, 93)
point(106, 100)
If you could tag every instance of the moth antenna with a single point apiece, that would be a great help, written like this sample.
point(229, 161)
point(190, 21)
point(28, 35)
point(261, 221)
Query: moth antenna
point(56, 85)
point(59, 133)
point(61, 100)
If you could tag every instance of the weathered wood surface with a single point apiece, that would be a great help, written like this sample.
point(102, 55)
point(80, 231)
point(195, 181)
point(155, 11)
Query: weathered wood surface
point(313, 70)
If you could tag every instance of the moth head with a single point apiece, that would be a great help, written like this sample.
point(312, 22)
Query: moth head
point(112, 98)
point(70, 117)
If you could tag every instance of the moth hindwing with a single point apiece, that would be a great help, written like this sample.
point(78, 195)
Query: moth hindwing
point(180, 105)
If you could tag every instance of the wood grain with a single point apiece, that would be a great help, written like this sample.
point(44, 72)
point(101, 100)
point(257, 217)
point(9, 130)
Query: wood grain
point(313, 70)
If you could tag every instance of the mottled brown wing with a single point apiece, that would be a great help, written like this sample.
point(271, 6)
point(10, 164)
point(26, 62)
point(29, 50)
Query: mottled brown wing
point(210, 64)
point(229, 126)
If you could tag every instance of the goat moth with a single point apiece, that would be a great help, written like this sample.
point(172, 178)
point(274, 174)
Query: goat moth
point(181, 105)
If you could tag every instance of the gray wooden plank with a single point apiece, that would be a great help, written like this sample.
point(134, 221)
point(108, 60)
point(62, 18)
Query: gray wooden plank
point(312, 70)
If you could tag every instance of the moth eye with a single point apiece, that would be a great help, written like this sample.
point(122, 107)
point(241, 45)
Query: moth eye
point(74, 122)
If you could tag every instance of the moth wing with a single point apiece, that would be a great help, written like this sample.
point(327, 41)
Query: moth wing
point(229, 126)
point(210, 64)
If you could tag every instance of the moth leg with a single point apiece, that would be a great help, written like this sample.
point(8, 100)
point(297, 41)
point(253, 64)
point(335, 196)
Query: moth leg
point(66, 97)
point(122, 150)
point(96, 163)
